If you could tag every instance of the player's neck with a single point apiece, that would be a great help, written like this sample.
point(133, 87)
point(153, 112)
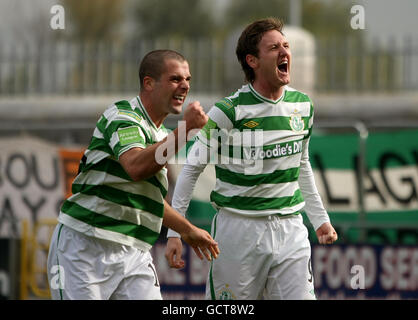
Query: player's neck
point(268, 91)
point(156, 117)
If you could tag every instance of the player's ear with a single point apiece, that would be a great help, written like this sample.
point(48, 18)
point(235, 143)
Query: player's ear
point(251, 60)
point(148, 83)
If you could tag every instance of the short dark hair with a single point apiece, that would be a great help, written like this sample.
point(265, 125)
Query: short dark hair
point(249, 40)
point(152, 65)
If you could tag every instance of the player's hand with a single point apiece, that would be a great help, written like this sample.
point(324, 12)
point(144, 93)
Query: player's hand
point(326, 233)
point(173, 252)
point(202, 243)
point(194, 116)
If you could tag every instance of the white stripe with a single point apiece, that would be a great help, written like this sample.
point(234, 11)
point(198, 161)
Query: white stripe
point(91, 231)
point(261, 213)
point(125, 117)
point(97, 134)
point(252, 167)
point(114, 139)
point(119, 212)
point(144, 188)
point(112, 114)
point(244, 88)
point(161, 134)
point(251, 138)
point(278, 190)
point(218, 116)
point(282, 136)
point(282, 109)
point(109, 113)
point(259, 138)
point(310, 122)
point(94, 156)
point(162, 177)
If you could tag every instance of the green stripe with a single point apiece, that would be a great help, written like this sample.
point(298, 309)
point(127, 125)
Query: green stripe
point(207, 129)
point(256, 203)
point(246, 152)
point(296, 96)
point(270, 123)
point(155, 182)
point(227, 110)
point(103, 222)
point(100, 144)
point(245, 98)
point(241, 179)
point(123, 105)
point(109, 166)
point(121, 197)
point(114, 168)
point(101, 123)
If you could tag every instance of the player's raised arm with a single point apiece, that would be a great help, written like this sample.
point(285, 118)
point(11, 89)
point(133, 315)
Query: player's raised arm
point(143, 163)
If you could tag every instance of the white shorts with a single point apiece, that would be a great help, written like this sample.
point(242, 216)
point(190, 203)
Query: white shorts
point(261, 258)
point(86, 268)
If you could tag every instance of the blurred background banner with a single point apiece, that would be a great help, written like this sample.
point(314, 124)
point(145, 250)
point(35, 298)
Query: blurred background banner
point(62, 62)
point(341, 271)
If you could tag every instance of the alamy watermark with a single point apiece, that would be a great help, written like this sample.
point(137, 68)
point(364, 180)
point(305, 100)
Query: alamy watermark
point(358, 20)
point(358, 279)
point(58, 17)
point(245, 148)
point(58, 277)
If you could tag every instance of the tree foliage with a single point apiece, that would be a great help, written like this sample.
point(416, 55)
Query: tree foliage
point(94, 19)
point(162, 18)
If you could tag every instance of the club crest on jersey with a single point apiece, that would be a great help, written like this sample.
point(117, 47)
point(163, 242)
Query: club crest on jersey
point(226, 294)
point(296, 121)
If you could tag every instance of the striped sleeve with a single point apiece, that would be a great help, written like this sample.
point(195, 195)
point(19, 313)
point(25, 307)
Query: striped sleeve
point(221, 118)
point(122, 129)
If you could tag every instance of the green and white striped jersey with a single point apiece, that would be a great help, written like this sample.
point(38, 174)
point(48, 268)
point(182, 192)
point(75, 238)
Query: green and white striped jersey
point(106, 203)
point(258, 163)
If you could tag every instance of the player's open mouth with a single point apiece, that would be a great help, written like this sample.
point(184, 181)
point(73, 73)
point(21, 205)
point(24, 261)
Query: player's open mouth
point(179, 98)
point(283, 67)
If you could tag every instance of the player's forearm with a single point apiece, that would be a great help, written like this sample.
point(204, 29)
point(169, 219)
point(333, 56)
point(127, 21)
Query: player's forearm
point(185, 185)
point(314, 207)
point(144, 163)
point(175, 221)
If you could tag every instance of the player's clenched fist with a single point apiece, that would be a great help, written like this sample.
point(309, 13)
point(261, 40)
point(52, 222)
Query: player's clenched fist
point(326, 234)
point(194, 116)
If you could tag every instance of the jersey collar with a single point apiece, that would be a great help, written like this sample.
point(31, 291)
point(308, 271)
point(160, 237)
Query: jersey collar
point(262, 98)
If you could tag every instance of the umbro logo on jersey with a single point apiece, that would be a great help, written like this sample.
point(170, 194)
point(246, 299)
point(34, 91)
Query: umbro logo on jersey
point(251, 124)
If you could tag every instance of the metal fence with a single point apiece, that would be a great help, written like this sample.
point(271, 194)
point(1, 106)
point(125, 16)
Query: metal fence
point(62, 67)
